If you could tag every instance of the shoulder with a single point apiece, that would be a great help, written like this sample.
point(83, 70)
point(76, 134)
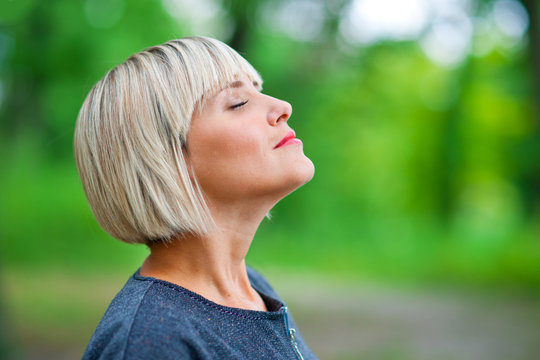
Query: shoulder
point(143, 309)
point(154, 319)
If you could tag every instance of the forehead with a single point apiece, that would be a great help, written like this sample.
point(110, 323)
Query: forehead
point(242, 83)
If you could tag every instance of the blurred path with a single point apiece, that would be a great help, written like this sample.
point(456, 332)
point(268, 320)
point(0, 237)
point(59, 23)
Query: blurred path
point(338, 320)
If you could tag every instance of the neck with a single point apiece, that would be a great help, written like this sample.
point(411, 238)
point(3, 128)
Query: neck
point(212, 265)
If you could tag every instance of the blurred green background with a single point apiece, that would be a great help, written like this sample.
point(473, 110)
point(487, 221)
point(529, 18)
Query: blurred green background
point(421, 117)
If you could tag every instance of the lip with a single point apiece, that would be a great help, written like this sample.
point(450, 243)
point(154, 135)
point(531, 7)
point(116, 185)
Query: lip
point(289, 139)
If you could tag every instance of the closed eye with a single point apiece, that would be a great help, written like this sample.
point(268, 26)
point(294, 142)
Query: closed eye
point(236, 106)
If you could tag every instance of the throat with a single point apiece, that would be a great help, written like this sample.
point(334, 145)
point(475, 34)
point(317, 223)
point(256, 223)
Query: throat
point(226, 284)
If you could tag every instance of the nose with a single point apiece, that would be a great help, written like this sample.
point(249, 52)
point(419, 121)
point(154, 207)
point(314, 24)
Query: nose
point(280, 112)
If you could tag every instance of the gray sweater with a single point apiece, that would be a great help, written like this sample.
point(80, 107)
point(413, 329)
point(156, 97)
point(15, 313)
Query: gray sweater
point(151, 319)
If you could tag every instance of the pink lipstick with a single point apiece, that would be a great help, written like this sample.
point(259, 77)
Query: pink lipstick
point(289, 139)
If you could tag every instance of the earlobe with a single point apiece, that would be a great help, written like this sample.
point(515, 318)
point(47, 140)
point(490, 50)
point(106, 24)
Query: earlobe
point(187, 161)
point(185, 151)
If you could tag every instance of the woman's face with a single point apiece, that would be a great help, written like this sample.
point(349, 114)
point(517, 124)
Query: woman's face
point(241, 146)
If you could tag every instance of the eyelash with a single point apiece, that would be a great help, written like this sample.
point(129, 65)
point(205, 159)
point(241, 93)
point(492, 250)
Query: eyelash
point(236, 106)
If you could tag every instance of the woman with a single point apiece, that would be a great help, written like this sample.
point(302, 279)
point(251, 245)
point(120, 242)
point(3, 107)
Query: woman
point(177, 148)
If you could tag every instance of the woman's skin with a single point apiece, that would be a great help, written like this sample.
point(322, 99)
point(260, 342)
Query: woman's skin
point(232, 148)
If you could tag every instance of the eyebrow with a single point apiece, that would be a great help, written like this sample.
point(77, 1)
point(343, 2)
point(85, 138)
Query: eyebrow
point(239, 83)
point(236, 84)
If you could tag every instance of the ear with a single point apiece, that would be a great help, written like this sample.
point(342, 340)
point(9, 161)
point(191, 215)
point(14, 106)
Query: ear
point(187, 161)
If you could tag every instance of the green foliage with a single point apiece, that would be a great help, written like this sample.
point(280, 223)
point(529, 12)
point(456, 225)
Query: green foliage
point(423, 173)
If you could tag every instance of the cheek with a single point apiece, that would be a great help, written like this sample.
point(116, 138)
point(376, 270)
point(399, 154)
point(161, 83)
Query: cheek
point(227, 154)
point(235, 145)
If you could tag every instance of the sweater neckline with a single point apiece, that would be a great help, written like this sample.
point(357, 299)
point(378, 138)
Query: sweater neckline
point(269, 301)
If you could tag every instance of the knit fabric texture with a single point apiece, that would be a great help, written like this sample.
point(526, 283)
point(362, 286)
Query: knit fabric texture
point(154, 319)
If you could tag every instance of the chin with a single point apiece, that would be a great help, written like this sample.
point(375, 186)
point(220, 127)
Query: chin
point(309, 170)
point(303, 173)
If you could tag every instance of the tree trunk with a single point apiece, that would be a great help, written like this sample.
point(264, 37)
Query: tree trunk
point(243, 13)
point(534, 49)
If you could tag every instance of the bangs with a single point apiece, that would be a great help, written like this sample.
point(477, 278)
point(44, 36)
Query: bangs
point(194, 69)
point(215, 67)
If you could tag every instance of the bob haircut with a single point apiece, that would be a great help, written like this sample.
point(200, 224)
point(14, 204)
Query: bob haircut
point(130, 138)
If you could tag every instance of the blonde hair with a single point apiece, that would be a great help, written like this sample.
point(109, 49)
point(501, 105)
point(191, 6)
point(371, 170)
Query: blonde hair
point(131, 135)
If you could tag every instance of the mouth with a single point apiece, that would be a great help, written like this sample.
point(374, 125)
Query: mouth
point(289, 139)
